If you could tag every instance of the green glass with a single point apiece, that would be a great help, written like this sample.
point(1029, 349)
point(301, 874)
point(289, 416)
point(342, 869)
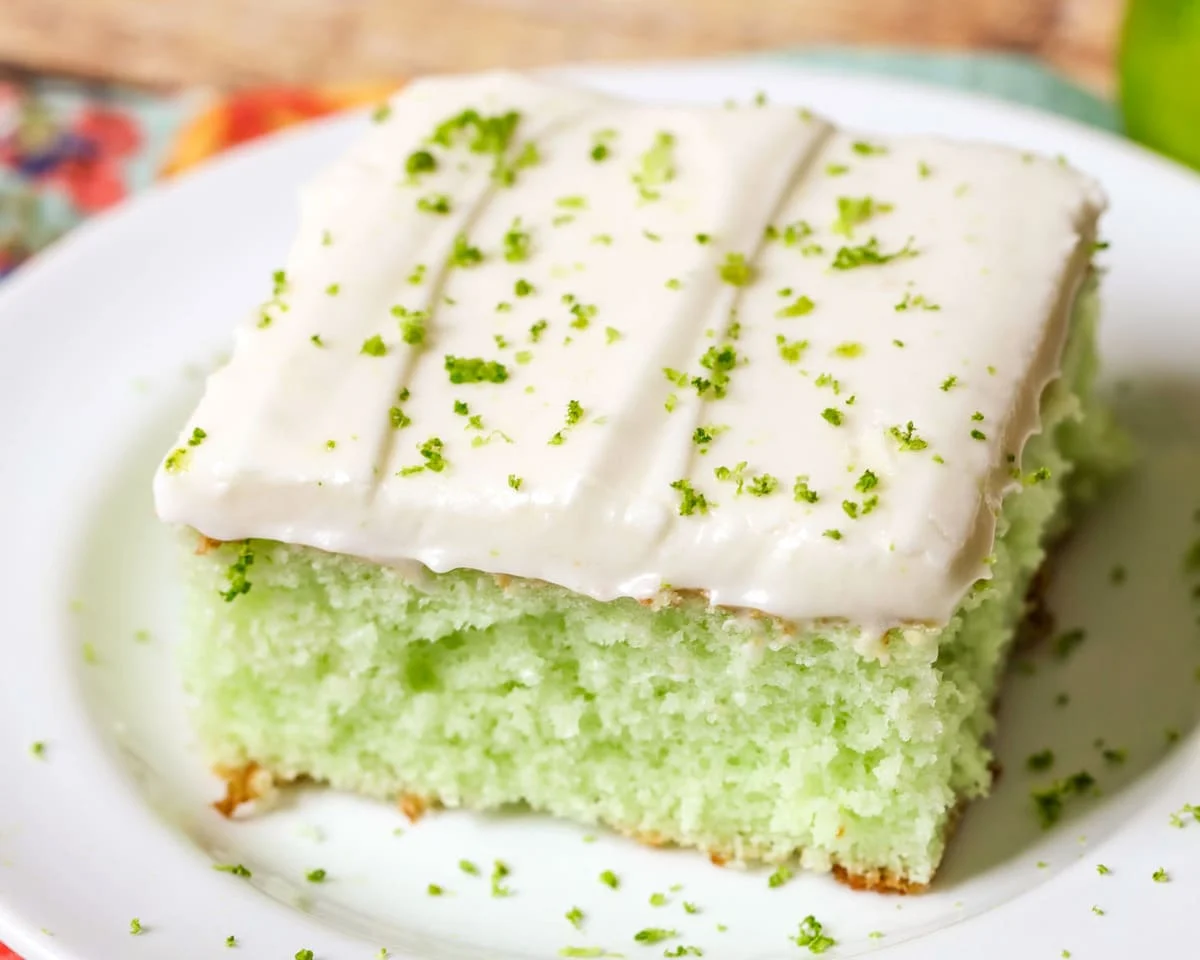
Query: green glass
point(1160, 76)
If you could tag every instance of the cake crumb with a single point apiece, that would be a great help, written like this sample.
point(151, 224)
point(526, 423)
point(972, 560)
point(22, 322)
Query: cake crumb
point(414, 806)
point(243, 785)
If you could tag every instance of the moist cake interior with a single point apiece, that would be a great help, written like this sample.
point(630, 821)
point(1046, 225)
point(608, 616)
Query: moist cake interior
point(738, 733)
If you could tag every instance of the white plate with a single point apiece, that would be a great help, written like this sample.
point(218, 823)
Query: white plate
point(102, 342)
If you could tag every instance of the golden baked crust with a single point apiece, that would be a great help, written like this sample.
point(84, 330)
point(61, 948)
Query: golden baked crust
point(243, 784)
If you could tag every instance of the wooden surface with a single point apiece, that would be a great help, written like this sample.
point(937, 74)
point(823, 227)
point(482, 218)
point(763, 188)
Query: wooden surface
point(240, 42)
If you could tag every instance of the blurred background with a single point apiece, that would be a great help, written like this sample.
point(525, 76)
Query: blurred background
point(100, 97)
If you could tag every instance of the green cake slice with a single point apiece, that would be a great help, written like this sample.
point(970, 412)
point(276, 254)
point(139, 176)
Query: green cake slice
point(680, 469)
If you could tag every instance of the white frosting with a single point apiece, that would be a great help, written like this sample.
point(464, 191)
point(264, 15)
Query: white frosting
point(1002, 243)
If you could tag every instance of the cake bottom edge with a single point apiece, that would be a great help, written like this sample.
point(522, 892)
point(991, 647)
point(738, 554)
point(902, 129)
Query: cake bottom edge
point(250, 783)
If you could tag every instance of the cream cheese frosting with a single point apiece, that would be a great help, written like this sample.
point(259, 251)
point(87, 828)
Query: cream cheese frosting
point(532, 330)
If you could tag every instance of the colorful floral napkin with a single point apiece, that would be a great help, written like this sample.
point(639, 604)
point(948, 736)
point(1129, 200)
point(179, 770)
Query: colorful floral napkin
point(70, 150)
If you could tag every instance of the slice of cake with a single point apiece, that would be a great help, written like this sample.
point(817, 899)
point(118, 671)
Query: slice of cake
point(679, 469)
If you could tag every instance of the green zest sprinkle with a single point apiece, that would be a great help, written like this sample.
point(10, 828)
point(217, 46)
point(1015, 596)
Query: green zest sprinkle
point(801, 492)
point(464, 255)
point(523, 288)
point(574, 917)
point(705, 435)
point(177, 460)
point(781, 876)
point(412, 324)
point(949, 383)
point(38, 749)
point(1042, 760)
point(374, 346)
point(864, 149)
point(658, 899)
point(417, 275)
point(1114, 756)
point(674, 284)
point(735, 270)
point(811, 935)
point(855, 211)
point(1066, 642)
point(475, 370)
point(315, 876)
point(703, 238)
point(736, 474)
point(682, 951)
point(571, 203)
point(398, 418)
point(868, 254)
point(431, 450)
point(333, 289)
point(582, 952)
point(235, 868)
point(718, 361)
point(135, 926)
point(198, 437)
point(654, 935)
point(437, 203)
point(833, 534)
point(790, 350)
point(836, 169)
point(611, 335)
point(849, 349)
point(800, 308)
point(467, 867)
point(918, 302)
point(923, 169)
point(316, 340)
point(486, 134)
point(500, 870)
point(1160, 876)
point(978, 435)
point(304, 955)
point(832, 415)
point(514, 481)
point(419, 162)
point(434, 890)
point(907, 438)
point(238, 585)
point(603, 239)
point(691, 501)
point(610, 879)
point(381, 112)
point(326, 238)
point(231, 941)
point(583, 314)
point(796, 232)
point(763, 485)
point(1193, 809)
point(516, 243)
point(1049, 801)
point(868, 481)
point(536, 331)
point(657, 166)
